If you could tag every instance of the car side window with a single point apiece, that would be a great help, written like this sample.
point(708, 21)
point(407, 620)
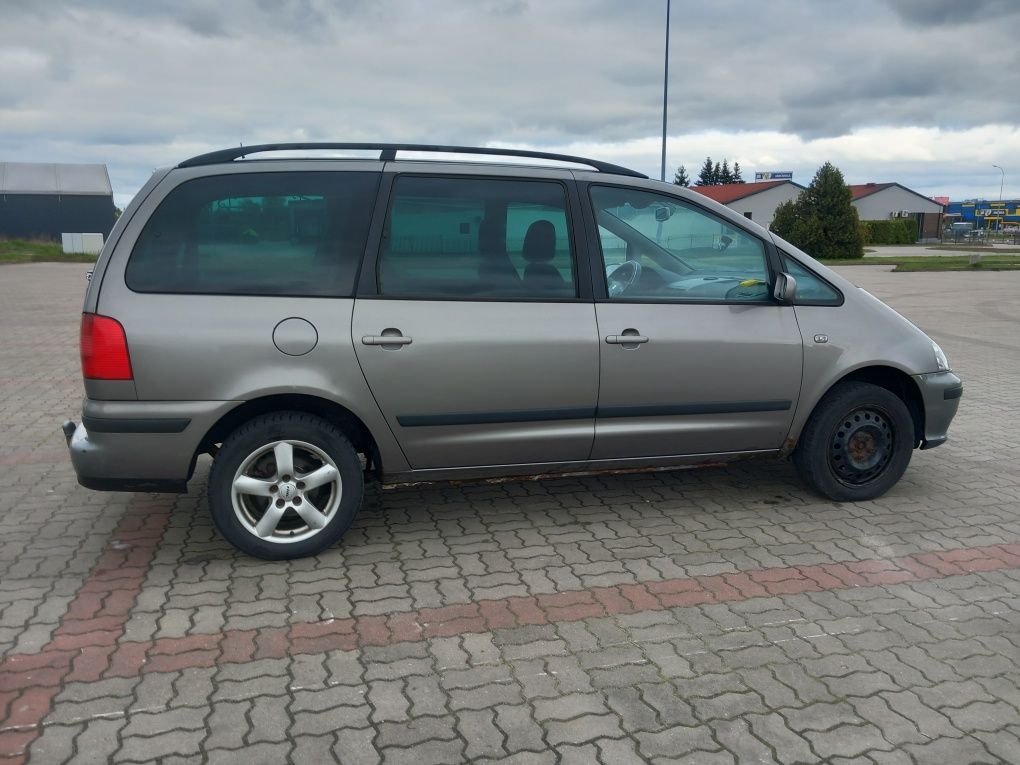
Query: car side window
point(811, 288)
point(656, 247)
point(300, 234)
point(477, 238)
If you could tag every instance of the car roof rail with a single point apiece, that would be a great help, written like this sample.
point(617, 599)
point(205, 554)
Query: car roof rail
point(388, 152)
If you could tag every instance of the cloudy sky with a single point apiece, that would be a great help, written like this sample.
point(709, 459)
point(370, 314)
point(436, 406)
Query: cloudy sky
point(924, 92)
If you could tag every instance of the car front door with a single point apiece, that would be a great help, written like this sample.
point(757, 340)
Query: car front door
point(697, 357)
point(472, 327)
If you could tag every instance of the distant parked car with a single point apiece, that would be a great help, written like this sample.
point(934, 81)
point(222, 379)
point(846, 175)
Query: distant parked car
point(303, 320)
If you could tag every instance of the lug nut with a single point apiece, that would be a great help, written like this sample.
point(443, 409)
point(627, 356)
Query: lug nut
point(297, 500)
point(280, 503)
point(286, 478)
point(273, 489)
point(301, 484)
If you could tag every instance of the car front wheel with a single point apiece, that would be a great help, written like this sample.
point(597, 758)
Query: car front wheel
point(285, 485)
point(856, 444)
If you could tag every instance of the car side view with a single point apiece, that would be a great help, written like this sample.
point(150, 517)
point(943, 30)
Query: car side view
point(306, 321)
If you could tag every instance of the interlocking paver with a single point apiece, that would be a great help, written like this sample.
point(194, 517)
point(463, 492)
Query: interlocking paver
point(693, 616)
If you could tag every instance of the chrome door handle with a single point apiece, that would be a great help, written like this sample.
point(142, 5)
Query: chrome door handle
point(385, 340)
point(626, 339)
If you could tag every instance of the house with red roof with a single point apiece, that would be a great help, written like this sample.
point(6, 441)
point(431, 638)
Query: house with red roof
point(880, 201)
point(874, 201)
point(756, 201)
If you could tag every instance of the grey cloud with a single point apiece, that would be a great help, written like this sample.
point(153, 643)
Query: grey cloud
point(132, 82)
point(204, 21)
point(941, 12)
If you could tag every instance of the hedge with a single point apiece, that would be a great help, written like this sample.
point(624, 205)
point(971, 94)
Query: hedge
point(892, 231)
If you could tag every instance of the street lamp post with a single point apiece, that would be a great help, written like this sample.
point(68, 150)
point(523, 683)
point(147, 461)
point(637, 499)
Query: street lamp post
point(1001, 180)
point(665, 90)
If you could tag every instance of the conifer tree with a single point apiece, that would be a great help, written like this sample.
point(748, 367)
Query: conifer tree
point(706, 176)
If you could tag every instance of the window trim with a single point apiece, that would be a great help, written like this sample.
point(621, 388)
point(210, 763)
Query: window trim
point(596, 259)
point(368, 281)
point(338, 295)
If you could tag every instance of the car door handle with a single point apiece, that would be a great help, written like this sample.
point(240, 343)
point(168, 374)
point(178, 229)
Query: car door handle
point(385, 340)
point(626, 339)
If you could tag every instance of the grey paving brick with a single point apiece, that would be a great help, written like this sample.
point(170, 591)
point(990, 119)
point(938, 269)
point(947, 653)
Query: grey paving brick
point(416, 731)
point(587, 727)
point(478, 729)
point(676, 741)
point(356, 746)
point(521, 731)
point(228, 725)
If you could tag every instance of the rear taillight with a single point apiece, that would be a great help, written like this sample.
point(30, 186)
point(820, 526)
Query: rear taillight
point(104, 350)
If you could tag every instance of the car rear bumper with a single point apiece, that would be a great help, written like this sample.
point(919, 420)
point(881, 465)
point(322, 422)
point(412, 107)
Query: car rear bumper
point(140, 446)
point(941, 392)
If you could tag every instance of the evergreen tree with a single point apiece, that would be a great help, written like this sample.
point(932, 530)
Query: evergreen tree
point(784, 222)
point(706, 176)
point(717, 174)
point(725, 176)
point(682, 178)
point(822, 221)
point(736, 173)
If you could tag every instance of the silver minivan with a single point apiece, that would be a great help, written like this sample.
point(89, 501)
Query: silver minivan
point(309, 320)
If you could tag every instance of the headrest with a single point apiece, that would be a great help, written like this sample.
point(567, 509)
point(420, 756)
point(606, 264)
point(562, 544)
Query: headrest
point(539, 242)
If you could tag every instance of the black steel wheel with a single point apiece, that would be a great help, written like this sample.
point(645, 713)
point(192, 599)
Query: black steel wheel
point(857, 443)
point(862, 446)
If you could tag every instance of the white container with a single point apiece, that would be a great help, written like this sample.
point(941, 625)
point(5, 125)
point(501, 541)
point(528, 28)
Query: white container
point(91, 244)
point(77, 244)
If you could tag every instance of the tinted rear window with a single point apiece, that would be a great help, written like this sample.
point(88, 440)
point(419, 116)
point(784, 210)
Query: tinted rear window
point(477, 238)
point(257, 234)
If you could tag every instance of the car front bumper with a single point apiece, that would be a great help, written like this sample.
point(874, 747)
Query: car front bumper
point(941, 392)
point(140, 446)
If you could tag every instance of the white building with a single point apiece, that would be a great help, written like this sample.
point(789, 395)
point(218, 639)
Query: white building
point(881, 201)
point(755, 201)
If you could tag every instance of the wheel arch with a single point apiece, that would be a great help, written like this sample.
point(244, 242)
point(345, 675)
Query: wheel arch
point(895, 380)
point(352, 426)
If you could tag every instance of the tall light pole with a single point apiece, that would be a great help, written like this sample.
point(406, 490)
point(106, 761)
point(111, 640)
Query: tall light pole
point(1001, 180)
point(665, 91)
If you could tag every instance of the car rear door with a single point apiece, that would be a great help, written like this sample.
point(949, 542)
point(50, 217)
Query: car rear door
point(697, 358)
point(474, 323)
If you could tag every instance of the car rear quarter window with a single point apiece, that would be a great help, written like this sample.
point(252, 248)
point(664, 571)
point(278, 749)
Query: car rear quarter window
point(293, 233)
point(477, 238)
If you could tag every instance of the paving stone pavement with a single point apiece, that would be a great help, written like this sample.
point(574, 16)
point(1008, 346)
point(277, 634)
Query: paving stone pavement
point(709, 616)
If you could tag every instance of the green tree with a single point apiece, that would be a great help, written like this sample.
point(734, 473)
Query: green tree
point(717, 174)
point(784, 222)
point(706, 176)
point(736, 173)
point(682, 178)
point(822, 221)
point(725, 176)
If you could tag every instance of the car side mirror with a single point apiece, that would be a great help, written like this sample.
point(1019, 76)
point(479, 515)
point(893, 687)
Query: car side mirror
point(785, 291)
point(663, 214)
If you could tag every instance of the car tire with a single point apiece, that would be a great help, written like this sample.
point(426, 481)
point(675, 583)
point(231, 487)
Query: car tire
point(857, 443)
point(285, 485)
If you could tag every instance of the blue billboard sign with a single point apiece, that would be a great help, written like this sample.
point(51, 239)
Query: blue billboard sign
point(986, 214)
point(774, 175)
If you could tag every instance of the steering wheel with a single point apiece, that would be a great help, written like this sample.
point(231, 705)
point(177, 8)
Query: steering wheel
point(621, 278)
